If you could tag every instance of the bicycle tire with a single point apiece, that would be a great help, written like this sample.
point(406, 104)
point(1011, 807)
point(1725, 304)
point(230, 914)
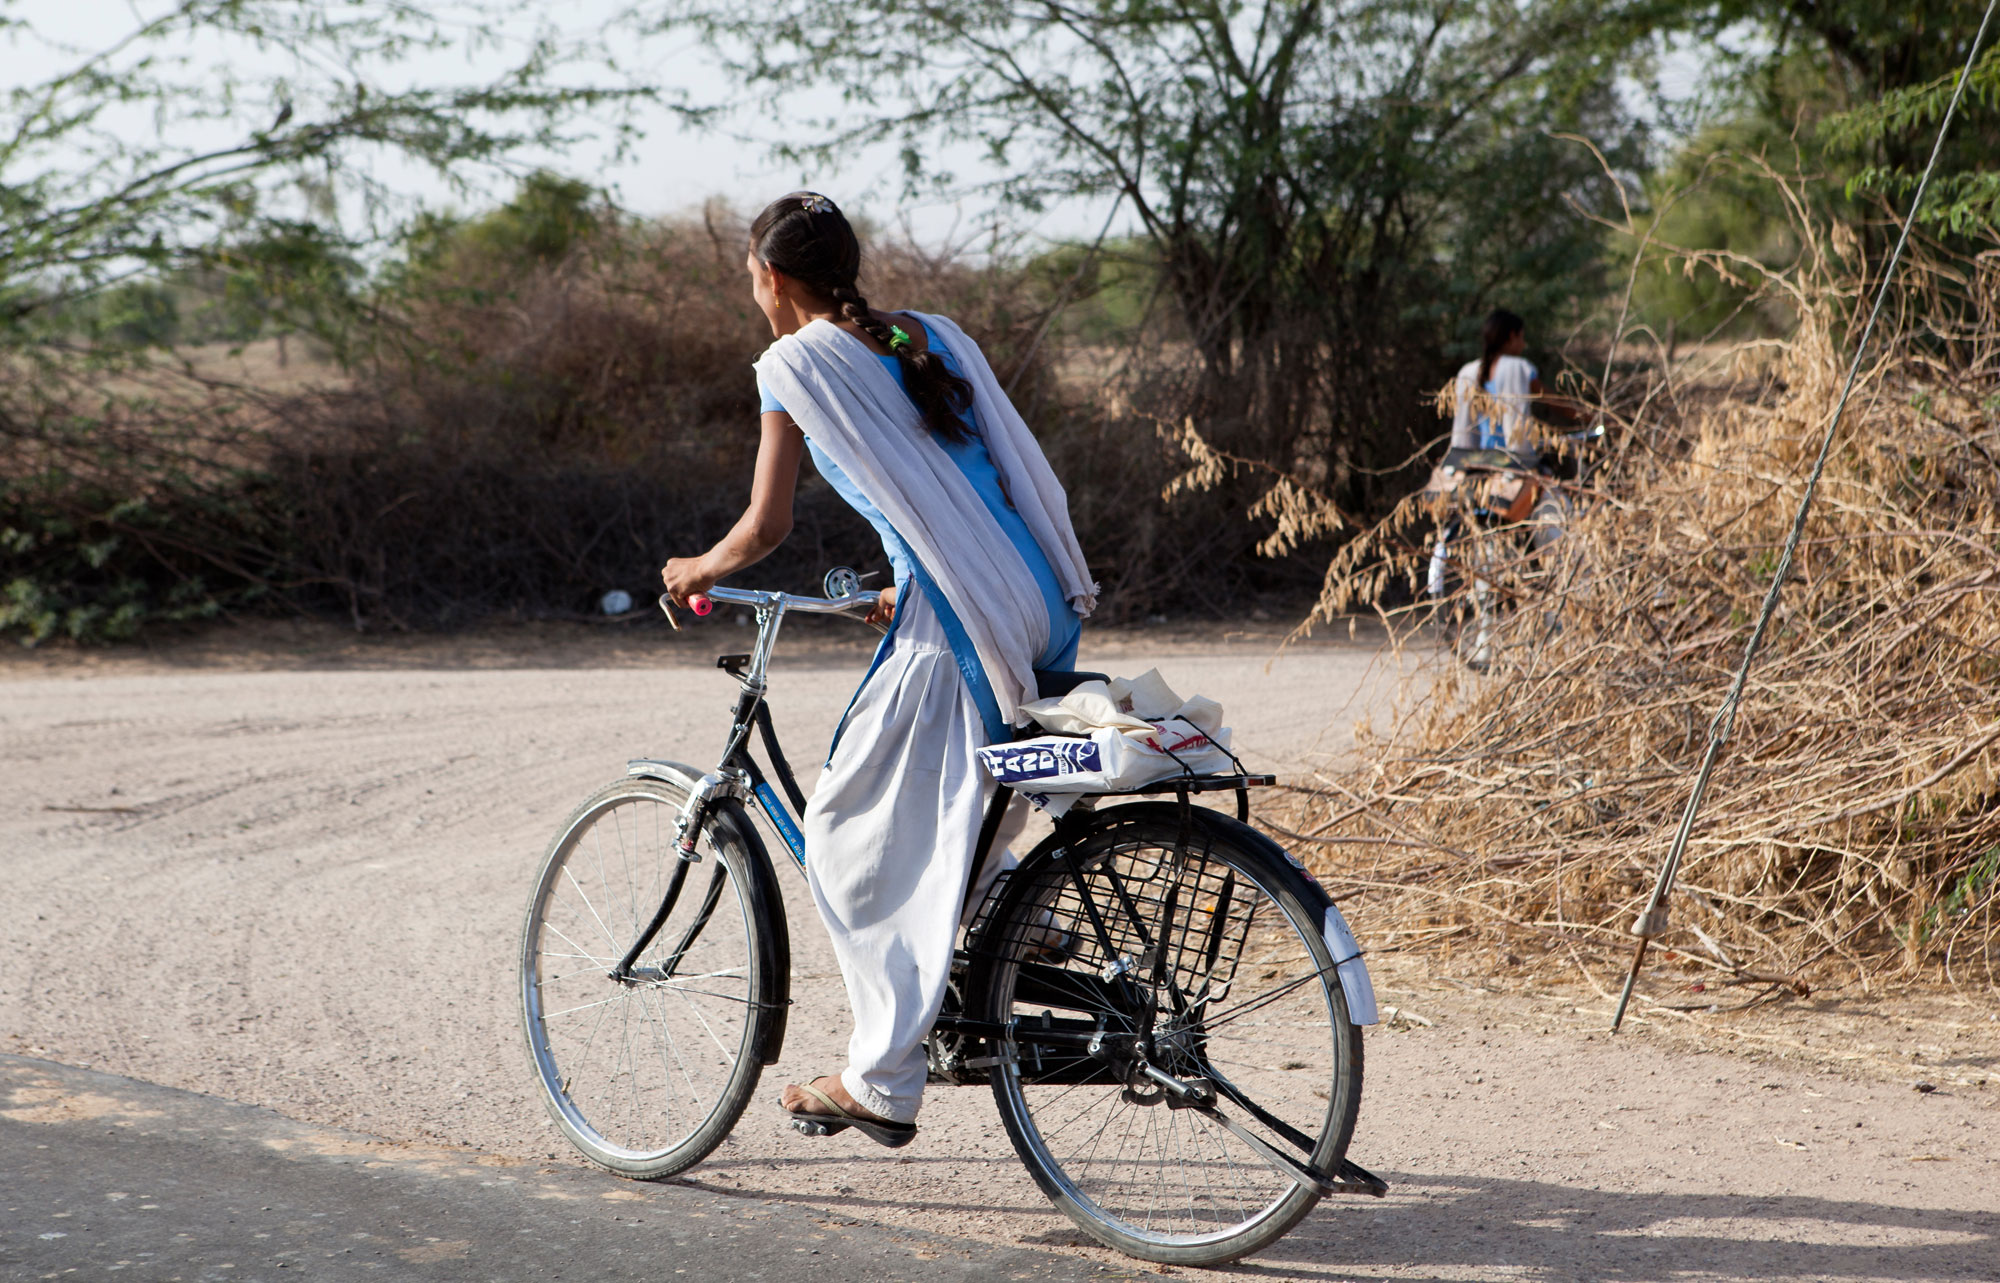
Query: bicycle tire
point(1259, 909)
point(647, 1076)
point(1488, 614)
point(1461, 614)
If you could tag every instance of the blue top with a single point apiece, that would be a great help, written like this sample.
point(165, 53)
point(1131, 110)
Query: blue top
point(1065, 629)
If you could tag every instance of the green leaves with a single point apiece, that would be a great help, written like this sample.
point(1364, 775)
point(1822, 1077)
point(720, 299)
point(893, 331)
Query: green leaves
point(1962, 199)
point(1914, 106)
point(245, 121)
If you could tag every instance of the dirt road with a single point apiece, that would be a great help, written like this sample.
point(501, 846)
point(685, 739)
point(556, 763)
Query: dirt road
point(300, 888)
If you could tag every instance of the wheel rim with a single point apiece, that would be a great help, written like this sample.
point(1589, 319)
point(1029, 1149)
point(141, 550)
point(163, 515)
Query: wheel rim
point(1125, 1159)
point(634, 1069)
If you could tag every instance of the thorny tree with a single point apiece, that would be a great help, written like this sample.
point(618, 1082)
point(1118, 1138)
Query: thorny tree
point(225, 143)
point(210, 123)
point(1324, 189)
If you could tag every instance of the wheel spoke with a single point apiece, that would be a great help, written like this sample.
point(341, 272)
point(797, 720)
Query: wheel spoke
point(1139, 1173)
point(574, 945)
point(1263, 1000)
point(584, 896)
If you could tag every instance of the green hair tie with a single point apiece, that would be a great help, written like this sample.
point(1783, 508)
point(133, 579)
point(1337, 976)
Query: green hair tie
point(897, 339)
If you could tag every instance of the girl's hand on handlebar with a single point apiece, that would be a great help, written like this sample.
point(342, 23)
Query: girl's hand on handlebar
point(685, 577)
point(883, 612)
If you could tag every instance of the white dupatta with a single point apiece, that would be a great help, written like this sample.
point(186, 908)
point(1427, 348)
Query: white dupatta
point(847, 402)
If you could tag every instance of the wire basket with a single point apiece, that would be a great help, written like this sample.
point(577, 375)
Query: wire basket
point(1148, 904)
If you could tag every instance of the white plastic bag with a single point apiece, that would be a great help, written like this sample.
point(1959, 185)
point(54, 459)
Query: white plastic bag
point(1111, 735)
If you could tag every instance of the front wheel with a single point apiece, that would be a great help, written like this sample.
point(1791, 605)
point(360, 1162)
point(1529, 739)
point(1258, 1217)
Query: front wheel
point(1166, 993)
point(646, 1071)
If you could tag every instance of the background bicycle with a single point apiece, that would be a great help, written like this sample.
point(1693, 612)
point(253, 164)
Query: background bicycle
point(1498, 547)
point(1165, 1007)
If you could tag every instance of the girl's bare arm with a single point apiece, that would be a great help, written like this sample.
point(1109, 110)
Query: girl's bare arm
point(764, 523)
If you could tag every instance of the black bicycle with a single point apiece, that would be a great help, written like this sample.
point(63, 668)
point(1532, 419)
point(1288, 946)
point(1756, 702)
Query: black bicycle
point(1166, 1006)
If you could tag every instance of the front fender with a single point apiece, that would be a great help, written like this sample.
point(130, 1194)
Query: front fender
point(658, 768)
point(766, 900)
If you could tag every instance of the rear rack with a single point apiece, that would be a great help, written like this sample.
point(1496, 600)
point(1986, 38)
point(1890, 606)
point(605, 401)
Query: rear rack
point(1182, 786)
point(1175, 784)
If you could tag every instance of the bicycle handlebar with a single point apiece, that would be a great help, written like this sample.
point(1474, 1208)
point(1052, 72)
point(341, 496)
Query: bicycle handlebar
point(703, 603)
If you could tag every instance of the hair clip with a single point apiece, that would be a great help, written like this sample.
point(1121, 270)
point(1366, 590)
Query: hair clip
point(814, 203)
point(898, 340)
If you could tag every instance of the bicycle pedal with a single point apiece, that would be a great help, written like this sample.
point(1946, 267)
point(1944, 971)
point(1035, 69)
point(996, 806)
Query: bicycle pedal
point(808, 1127)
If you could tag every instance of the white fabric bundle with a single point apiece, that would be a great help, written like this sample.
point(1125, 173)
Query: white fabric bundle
point(1125, 704)
point(1108, 736)
point(842, 397)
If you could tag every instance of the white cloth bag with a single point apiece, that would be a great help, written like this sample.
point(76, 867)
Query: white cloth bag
point(1109, 736)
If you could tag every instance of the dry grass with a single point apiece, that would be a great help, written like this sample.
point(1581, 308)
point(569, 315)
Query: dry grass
point(1852, 831)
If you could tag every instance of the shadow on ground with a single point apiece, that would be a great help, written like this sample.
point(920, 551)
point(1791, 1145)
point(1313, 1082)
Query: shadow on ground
point(1454, 1227)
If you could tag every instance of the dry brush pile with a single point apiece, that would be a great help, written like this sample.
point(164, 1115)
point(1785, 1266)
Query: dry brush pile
point(1852, 830)
point(531, 435)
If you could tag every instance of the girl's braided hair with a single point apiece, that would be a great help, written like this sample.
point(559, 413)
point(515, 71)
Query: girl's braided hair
point(1501, 326)
point(805, 236)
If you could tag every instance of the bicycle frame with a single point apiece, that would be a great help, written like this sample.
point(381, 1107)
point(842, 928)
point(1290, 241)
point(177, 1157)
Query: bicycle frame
point(740, 776)
point(1141, 960)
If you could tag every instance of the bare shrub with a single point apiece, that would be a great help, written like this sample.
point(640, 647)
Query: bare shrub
point(127, 495)
point(527, 436)
point(544, 405)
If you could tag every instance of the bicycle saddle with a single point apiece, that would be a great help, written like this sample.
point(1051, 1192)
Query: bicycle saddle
point(1054, 683)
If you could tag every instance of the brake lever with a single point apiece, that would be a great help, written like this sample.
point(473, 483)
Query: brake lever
point(699, 603)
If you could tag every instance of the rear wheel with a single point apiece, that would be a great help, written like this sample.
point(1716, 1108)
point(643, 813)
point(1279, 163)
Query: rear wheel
point(647, 1072)
point(1161, 1001)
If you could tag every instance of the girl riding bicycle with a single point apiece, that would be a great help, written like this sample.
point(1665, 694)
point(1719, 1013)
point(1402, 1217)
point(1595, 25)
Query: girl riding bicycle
point(904, 418)
point(1492, 394)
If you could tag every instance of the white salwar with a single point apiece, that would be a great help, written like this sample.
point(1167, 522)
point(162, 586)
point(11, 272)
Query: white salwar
point(894, 820)
point(890, 835)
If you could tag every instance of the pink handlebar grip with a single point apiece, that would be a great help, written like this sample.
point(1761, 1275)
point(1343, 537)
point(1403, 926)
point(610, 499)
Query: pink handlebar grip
point(700, 604)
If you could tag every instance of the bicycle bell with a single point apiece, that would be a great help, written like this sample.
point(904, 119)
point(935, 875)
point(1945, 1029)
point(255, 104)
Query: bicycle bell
point(841, 581)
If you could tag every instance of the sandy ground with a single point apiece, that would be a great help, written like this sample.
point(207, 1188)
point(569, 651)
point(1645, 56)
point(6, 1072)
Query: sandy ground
point(287, 868)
